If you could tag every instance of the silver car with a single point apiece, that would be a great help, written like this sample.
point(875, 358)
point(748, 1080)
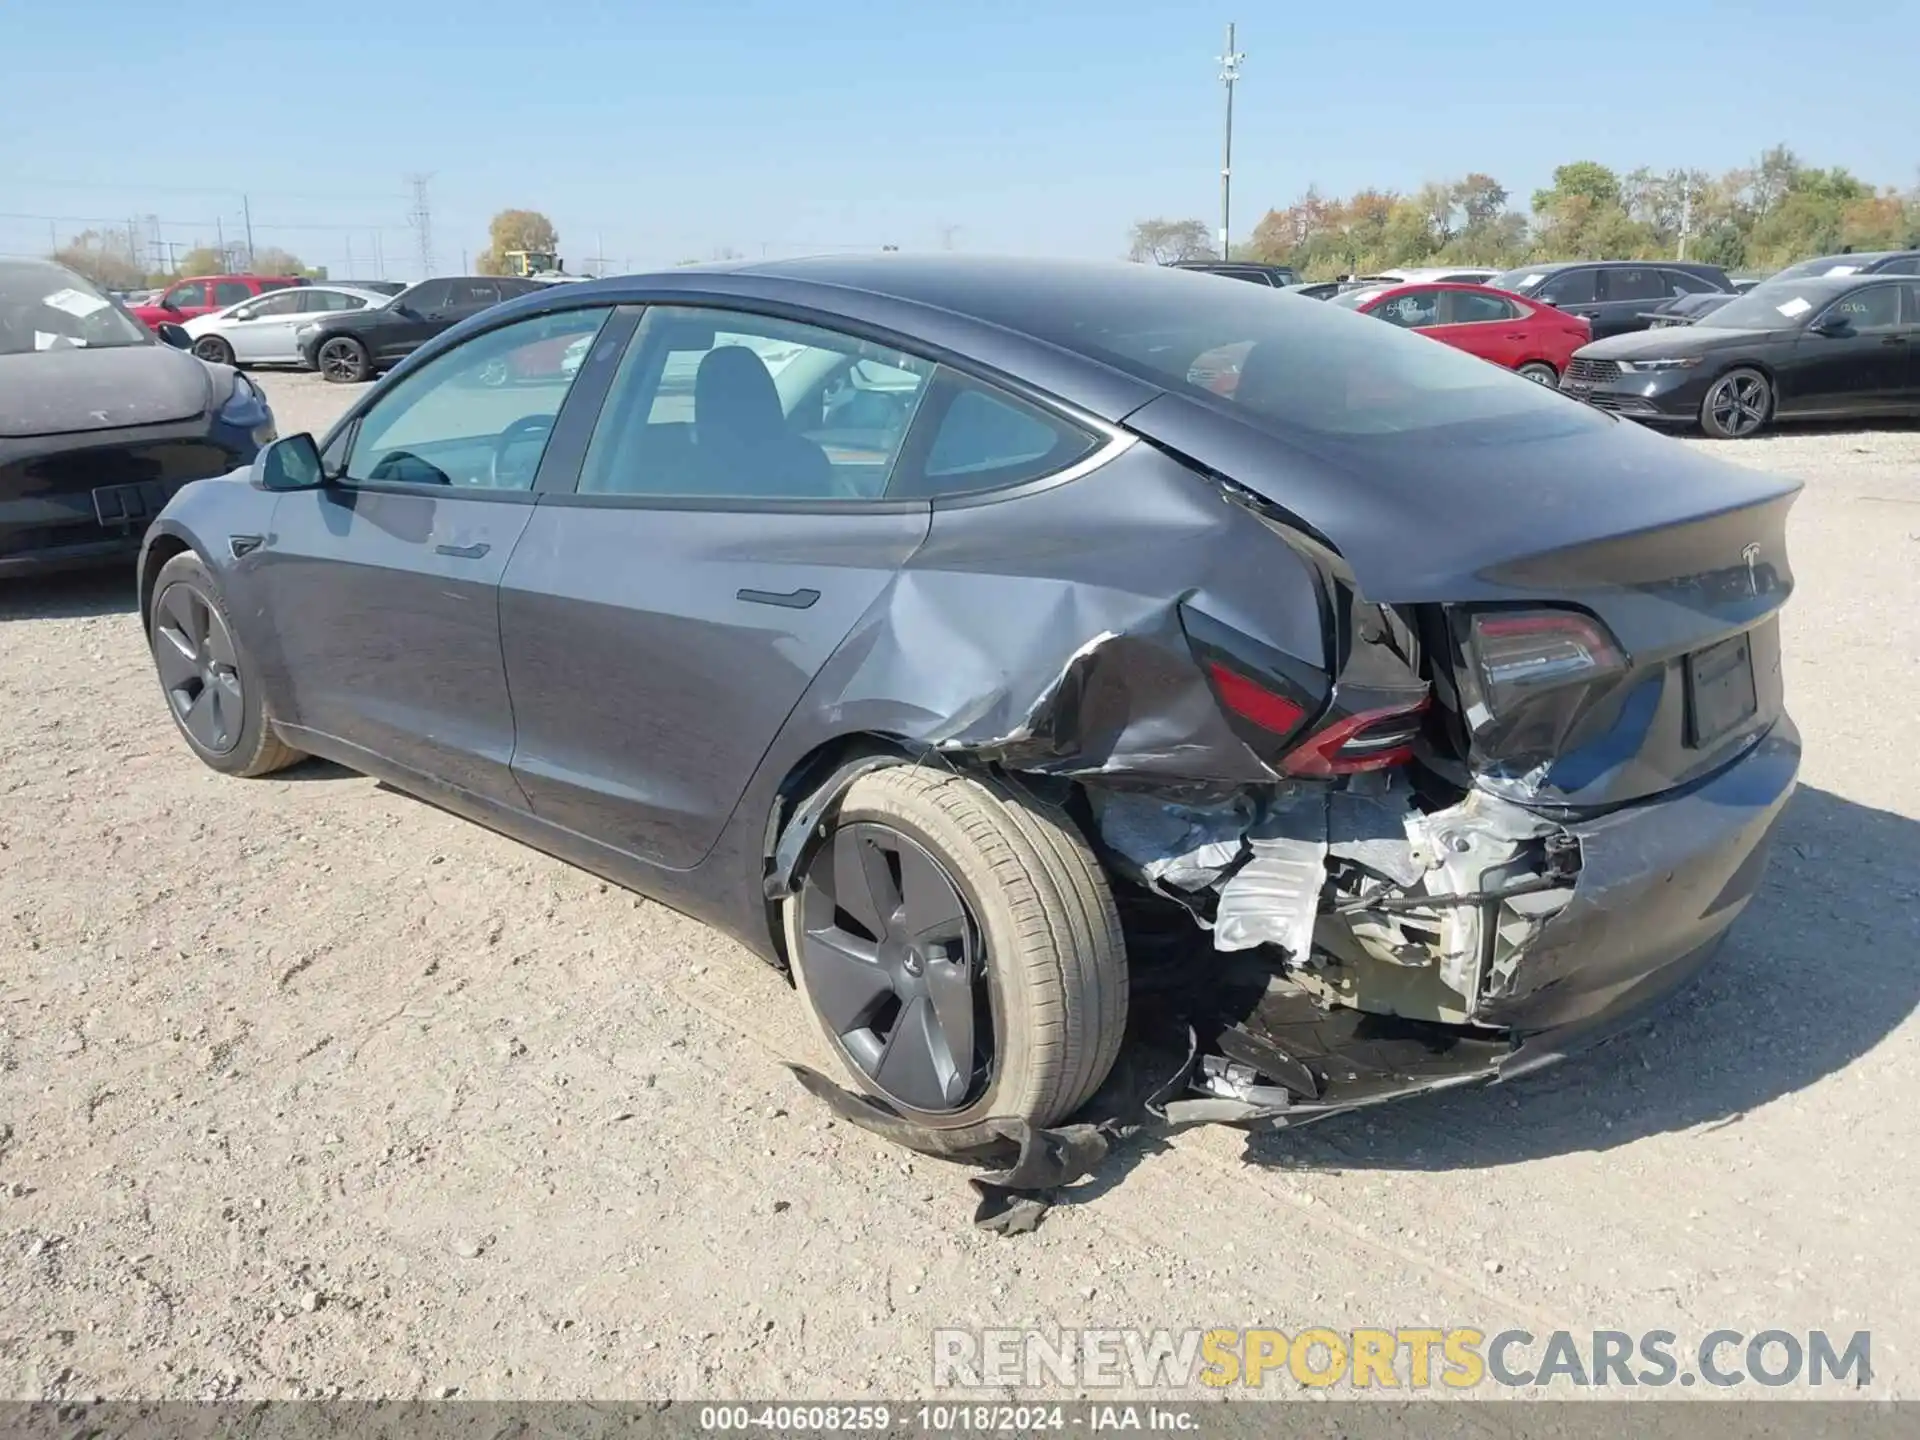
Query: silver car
point(259, 331)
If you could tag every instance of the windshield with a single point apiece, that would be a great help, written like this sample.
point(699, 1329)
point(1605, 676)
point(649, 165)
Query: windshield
point(1821, 265)
point(1772, 306)
point(1518, 281)
point(1354, 299)
point(48, 307)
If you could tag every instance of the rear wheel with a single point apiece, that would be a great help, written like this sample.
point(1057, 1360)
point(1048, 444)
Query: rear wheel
point(211, 690)
point(213, 350)
point(1540, 373)
point(344, 361)
point(959, 947)
point(1738, 404)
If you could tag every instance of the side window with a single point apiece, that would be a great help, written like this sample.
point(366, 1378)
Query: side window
point(1569, 287)
point(266, 285)
point(1634, 283)
point(475, 294)
point(285, 303)
point(1467, 307)
point(1412, 310)
point(1682, 282)
point(983, 438)
point(478, 416)
point(183, 297)
point(329, 301)
point(1875, 308)
point(1912, 302)
point(429, 296)
point(1258, 277)
point(1908, 265)
point(722, 405)
point(231, 292)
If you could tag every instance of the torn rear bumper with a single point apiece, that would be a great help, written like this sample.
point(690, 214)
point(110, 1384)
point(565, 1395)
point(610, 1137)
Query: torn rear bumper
point(1659, 887)
point(1658, 882)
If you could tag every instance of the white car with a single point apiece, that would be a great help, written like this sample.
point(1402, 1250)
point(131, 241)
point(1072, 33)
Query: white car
point(260, 330)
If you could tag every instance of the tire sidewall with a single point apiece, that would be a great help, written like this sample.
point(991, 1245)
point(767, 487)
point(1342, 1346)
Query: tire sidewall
point(189, 570)
point(1011, 1085)
point(218, 351)
point(1550, 377)
point(1706, 405)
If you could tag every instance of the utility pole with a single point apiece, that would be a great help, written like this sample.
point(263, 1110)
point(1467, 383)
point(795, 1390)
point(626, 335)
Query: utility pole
point(379, 257)
point(1686, 212)
point(421, 218)
point(220, 242)
point(246, 213)
point(1229, 72)
point(350, 274)
point(947, 232)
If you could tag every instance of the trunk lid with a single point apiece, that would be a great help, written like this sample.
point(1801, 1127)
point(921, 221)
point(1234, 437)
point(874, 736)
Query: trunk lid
point(1681, 558)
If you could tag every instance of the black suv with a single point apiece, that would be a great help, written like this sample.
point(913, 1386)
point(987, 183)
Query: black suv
point(1613, 296)
point(356, 345)
point(1274, 275)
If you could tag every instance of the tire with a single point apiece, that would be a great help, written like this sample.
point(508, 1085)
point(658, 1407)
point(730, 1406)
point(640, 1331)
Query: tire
point(184, 594)
point(343, 360)
point(1054, 979)
point(213, 350)
point(1737, 405)
point(1541, 373)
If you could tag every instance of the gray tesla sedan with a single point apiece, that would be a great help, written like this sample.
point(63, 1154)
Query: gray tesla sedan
point(976, 639)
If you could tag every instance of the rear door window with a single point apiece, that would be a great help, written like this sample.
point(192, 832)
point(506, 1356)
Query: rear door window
point(1410, 310)
point(184, 297)
point(1468, 307)
point(1684, 282)
point(1569, 287)
point(1633, 283)
point(231, 292)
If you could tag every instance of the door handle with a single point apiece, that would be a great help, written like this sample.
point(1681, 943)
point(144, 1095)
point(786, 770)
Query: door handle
point(790, 600)
point(463, 552)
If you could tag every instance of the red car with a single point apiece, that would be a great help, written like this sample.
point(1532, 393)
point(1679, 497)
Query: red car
point(203, 294)
point(1524, 335)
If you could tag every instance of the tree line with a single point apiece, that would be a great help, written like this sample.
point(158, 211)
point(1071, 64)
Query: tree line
point(1758, 217)
point(112, 259)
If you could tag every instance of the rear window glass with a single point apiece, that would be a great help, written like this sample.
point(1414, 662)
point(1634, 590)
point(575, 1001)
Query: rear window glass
point(1296, 362)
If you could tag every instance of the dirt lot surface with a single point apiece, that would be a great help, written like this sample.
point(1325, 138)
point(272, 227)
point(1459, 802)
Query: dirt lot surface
point(307, 1088)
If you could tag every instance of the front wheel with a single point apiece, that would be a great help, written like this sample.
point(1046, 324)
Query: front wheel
point(213, 350)
point(959, 947)
point(1737, 405)
point(1540, 373)
point(344, 361)
point(212, 692)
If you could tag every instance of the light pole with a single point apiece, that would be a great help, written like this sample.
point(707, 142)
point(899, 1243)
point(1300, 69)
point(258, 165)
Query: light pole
point(1229, 72)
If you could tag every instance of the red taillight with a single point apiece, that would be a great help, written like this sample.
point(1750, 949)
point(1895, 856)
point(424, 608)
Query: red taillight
point(1518, 653)
point(1251, 700)
point(1370, 740)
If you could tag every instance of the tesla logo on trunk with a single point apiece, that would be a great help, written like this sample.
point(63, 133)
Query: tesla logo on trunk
point(1751, 555)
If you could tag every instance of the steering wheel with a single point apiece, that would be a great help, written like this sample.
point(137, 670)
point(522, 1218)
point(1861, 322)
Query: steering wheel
point(406, 468)
point(499, 474)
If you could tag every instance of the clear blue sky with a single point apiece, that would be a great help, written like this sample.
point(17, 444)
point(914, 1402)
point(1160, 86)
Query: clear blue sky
point(655, 132)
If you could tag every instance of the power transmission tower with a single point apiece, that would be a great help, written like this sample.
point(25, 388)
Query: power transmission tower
point(1229, 72)
point(947, 232)
point(421, 218)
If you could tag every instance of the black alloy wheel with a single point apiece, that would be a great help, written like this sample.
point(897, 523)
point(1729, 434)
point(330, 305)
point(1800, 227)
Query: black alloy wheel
point(896, 968)
point(343, 361)
point(1737, 405)
point(213, 350)
point(199, 669)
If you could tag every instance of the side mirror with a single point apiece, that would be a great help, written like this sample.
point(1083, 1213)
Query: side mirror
point(1831, 326)
point(290, 463)
point(174, 335)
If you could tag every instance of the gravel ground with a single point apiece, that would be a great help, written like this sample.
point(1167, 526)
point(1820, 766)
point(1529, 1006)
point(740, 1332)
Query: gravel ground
point(307, 1088)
